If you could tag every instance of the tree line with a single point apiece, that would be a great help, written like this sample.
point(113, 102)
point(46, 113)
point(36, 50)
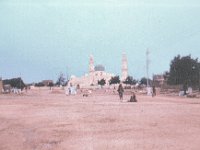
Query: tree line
point(184, 70)
point(15, 83)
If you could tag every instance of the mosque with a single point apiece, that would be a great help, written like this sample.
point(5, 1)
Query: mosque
point(96, 73)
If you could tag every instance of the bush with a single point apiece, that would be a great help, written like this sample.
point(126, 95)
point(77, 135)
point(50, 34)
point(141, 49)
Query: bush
point(15, 83)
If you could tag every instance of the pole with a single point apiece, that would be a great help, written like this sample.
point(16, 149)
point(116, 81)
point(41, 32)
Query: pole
point(147, 66)
point(147, 71)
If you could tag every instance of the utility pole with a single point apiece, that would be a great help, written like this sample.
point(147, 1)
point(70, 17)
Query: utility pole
point(147, 66)
point(149, 90)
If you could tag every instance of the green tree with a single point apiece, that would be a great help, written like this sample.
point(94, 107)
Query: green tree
point(130, 80)
point(166, 75)
point(39, 84)
point(144, 81)
point(114, 80)
point(61, 80)
point(102, 82)
point(50, 85)
point(184, 70)
point(15, 83)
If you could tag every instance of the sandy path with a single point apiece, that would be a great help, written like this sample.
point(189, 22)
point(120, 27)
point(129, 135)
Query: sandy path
point(45, 121)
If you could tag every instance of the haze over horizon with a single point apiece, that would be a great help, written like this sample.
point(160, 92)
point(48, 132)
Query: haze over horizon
point(38, 40)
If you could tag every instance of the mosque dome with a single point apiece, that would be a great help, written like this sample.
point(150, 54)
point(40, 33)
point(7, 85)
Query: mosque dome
point(99, 68)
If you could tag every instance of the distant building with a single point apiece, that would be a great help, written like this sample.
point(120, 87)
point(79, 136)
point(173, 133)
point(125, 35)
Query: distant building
point(47, 82)
point(158, 80)
point(91, 64)
point(96, 73)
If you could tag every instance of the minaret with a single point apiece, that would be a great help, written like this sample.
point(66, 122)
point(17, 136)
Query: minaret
point(91, 64)
point(124, 67)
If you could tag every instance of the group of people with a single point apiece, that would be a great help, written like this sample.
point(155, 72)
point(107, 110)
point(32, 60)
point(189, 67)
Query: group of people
point(71, 90)
point(121, 93)
point(133, 96)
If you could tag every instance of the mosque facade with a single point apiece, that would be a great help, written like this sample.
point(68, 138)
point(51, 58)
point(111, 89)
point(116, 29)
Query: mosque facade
point(96, 73)
point(124, 70)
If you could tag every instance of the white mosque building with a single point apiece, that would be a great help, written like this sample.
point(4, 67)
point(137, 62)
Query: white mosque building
point(96, 73)
point(124, 74)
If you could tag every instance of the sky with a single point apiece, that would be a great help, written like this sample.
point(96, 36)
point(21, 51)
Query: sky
point(39, 39)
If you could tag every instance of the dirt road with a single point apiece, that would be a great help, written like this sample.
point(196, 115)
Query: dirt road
point(42, 120)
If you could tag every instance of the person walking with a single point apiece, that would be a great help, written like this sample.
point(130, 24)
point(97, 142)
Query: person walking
point(120, 91)
point(154, 91)
point(185, 88)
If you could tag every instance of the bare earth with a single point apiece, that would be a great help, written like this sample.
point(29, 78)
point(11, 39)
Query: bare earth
point(45, 120)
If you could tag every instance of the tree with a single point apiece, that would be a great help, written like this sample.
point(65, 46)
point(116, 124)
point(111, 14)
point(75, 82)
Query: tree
point(130, 80)
point(40, 84)
point(114, 80)
point(102, 82)
point(166, 75)
point(15, 83)
point(61, 80)
point(144, 81)
point(184, 70)
point(50, 85)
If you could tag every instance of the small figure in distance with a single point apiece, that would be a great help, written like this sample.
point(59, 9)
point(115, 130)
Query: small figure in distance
point(86, 94)
point(70, 89)
point(120, 91)
point(154, 91)
point(185, 88)
point(133, 97)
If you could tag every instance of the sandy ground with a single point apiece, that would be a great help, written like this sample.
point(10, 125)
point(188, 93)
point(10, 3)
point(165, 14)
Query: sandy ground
point(42, 120)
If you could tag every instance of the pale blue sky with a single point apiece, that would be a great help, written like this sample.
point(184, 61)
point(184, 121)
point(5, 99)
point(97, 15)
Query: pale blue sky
point(40, 39)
